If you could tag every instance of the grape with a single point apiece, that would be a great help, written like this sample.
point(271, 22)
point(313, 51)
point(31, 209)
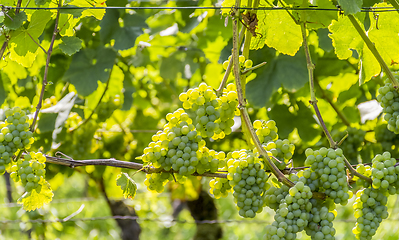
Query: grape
point(320, 221)
point(280, 151)
point(266, 130)
point(48, 102)
point(327, 173)
point(220, 187)
point(369, 210)
point(157, 181)
point(30, 171)
point(383, 172)
point(389, 99)
point(386, 138)
point(352, 145)
point(14, 135)
point(248, 179)
point(292, 215)
point(212, 115)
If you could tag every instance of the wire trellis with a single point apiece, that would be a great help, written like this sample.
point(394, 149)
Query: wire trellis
point(310, 8)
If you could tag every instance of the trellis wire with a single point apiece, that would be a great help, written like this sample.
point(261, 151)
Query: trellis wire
point(311, 8)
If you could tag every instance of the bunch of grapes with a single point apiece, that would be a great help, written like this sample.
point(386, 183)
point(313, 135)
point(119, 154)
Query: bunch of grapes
point(386, 138)
point(266, 130)
point(292, 215)
point(280, 151)
point(365, 171)
point(352, 144)
point(244, 64)
point(320, 225)
point(248, 179)
point(389, 99)
point(48, 102)
point(274, 195)
point(213, 116)
point(369, 210)
point(210, 160)
point(157, 181)
point(329, 167)
point(30, 170)
point(14, 135)
point(106, 109)
point(219, 187)
point(384, 173)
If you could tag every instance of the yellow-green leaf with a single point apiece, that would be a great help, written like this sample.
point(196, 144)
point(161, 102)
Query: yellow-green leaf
point(34, 200)
point(127, 185)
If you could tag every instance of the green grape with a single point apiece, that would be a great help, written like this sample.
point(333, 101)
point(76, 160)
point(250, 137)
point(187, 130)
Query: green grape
point(248, 63)
point(280, 151)
point(219, 187)
point(225, 64)
point(321, 220)
point(248, 179)
point(389, 99)
point(30, 171)
point(292, 215)
point(352, 145)
point(156, 181)
point(369, 210)
point(327, 173)
point(384, 173)
point(266, 130)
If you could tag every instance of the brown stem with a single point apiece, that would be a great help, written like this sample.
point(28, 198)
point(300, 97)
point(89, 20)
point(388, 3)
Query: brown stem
point(355, 173)
point(313, 99)
point(50, 50)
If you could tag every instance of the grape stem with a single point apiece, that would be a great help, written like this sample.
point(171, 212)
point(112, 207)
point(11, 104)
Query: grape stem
point(254, 67)
point(313, 100)
point(355, 173)
point(243, 110)
point(44, 84)
point(373, 50)
point(226, 75)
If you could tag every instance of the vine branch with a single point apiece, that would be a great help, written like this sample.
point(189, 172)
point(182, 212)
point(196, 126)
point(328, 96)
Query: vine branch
point(243, 110)
point(355, 173)
point(313, 99)
point(374, 51)
point(44, 84)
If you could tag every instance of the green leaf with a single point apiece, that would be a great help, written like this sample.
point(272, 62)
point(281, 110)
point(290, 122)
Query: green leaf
point(279, 31)
point(127, 185)
point(70, 45)
point(14, 21)
point(34, 200)
point(23, 40)
point(1, 17)
point(351, 6)
point(316, 19)
point(76, 13)
point(41, 2)
point(289, 72)
point(125, 37)
point(89, 66)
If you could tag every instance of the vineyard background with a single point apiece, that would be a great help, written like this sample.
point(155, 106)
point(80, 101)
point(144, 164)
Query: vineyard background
point(128, 67)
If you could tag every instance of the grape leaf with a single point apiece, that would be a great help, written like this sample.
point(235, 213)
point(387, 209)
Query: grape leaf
point(127, 185)
point(279, 31)
point(97, 13)
point(351, 6)
point(23, 40)
point(125, 37)
point(3, 93)
point(76, 13)
point(70, 45)
point(317, 19)
point(290, 72)
point(88, 66)
point(1, 17)
point(15, 20)
point(33, 200)
point(41, 2)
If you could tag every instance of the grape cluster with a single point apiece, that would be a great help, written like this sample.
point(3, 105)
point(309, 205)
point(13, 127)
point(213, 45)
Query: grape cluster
point(244, 64)
point(157, 181)
point(365, 171)
point(352, 144)
point(384, 173)
point(386, 138)
point(219, 187)
point(292, 215)
point(213, 116)
point(389, 99)
point(248, 179)
point(280, 151)
point(14, 135)
point(320, 225)
point(369, 210)
point(48, 102)
point(266, 130)
point(30, 170)
point(107, 108)
point(180, 148)
point(274, 195)
point(329, 173)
